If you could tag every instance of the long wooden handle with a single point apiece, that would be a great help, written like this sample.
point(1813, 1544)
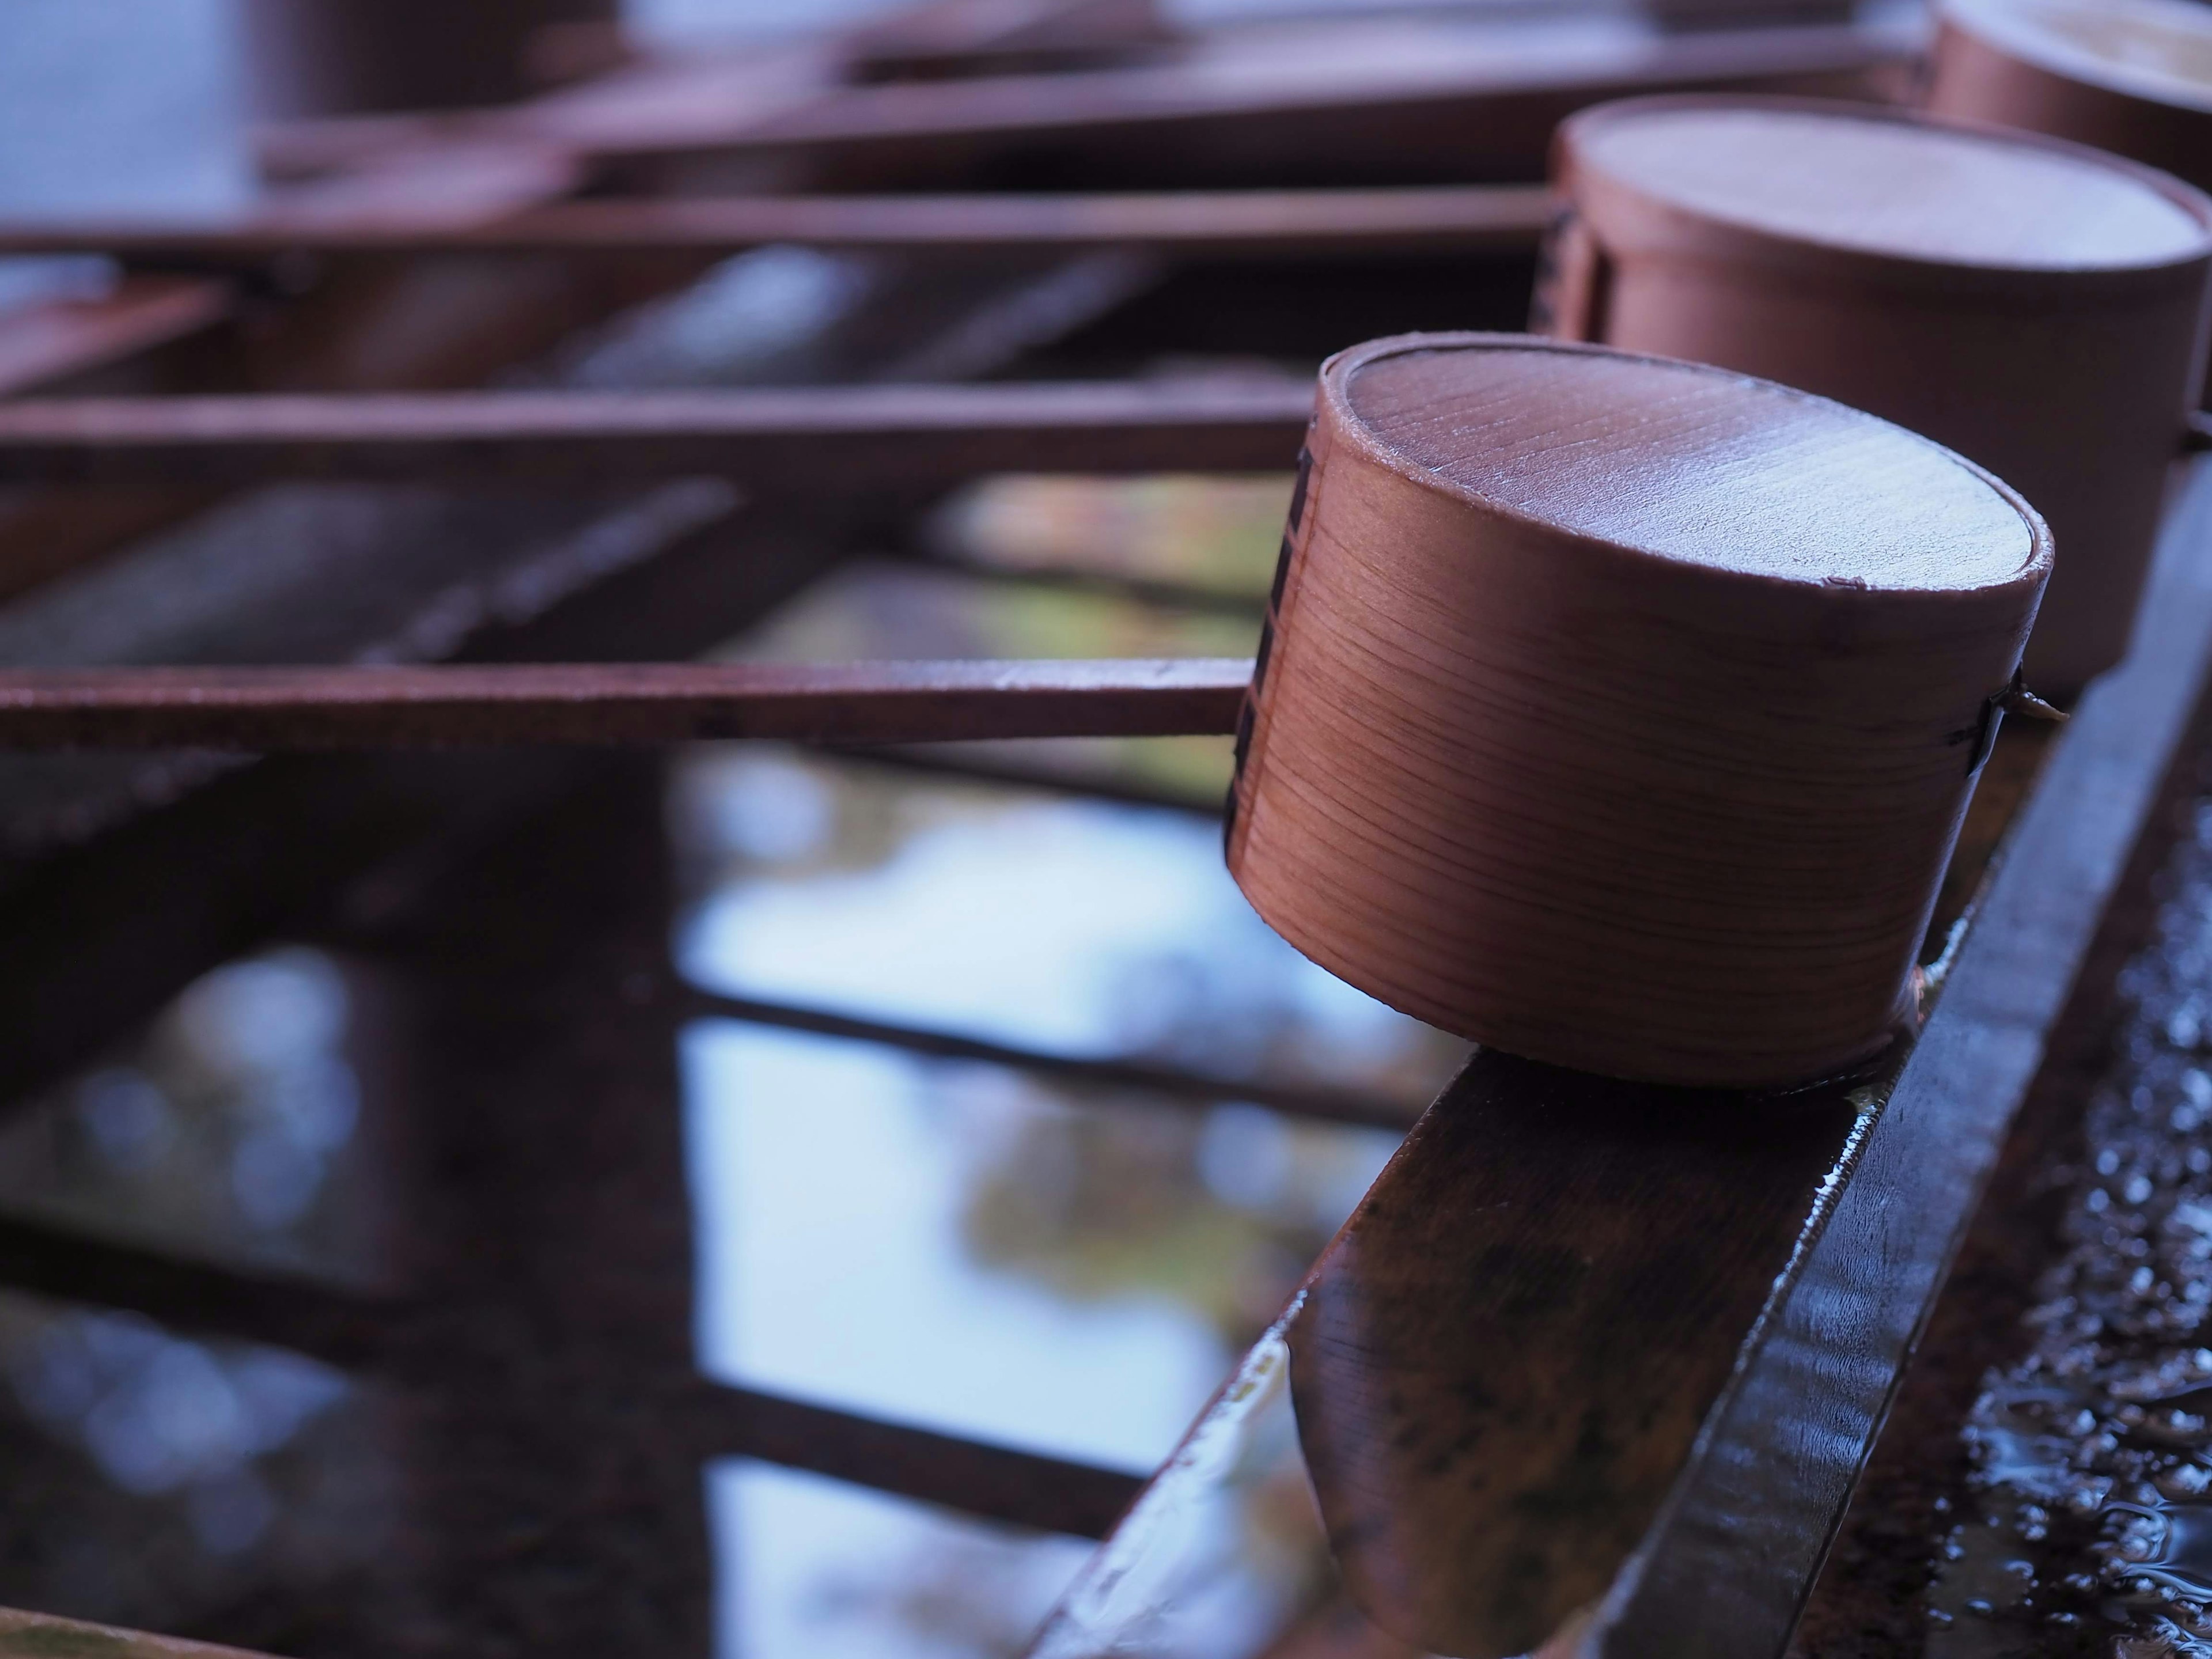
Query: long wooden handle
point(1215, 224)
point(775, 439)
point(262, 708)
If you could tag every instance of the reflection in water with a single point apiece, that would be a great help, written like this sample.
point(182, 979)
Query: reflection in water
point(970, 1248)
point(830, 1183)
point(816, 1569)
point(1083, 927)
point(1062, 1268)
point(876, 611)
point(153, 1478)
point(158, 1414)
point(227, 1130)
point(249, 1495)
point(159, 1481)
point(1220, 534)
point(1223, 1552)
point(1069, 1269)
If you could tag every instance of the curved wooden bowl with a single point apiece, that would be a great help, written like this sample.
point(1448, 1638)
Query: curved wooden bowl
point(2032, 304)
point(1621, 713)
point(2130, 76)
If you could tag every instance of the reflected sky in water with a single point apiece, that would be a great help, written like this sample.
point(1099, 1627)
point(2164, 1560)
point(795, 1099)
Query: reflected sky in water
point(1220, 1555)
point(1081, 927)
point(957, 1246)
point(226, 1130)
point(160, 1479)
point(819, 1569)
point(966, 1247)
point(158, 1414)
point(1095, 929)
point(831, 1183)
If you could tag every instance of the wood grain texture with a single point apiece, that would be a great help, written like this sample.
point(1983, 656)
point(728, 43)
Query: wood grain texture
point(1502, 1362)
point(861, 702)
point(1579, 1327)
point(1621, 713)
point(2034, 305)
point(840, 438)
point(1725, 1572)
point(1212, 224)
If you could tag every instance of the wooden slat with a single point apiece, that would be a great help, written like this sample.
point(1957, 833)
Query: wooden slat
point(1359, 93)
point(1366, 85)
point(1212, 224)
point(1587, 1343)
point(264, 710)
point(750, 81)
point(55, 340)
point(838, 438)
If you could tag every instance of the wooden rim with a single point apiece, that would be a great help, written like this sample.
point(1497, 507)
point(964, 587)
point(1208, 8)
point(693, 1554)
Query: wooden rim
point(1336, 373)
point(1969, 281)
point(2000, 29)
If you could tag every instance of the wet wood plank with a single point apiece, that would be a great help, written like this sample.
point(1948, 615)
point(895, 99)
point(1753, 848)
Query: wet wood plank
point(842, 438)
point(1591, 1346)
point(1210, 224)
point(1726, 1568)
point(262, 709)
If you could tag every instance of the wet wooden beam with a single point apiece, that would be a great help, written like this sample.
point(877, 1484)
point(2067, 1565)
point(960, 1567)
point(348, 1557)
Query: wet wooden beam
point(1191, 224)
point(1593, 1367)
point(840, 438)
point(1727, 1566)
point(1174, 1083)
point(259, 710)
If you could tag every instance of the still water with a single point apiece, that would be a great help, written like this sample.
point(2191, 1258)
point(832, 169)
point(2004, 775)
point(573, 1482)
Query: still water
point(963, 1248)
point(956, 1246)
